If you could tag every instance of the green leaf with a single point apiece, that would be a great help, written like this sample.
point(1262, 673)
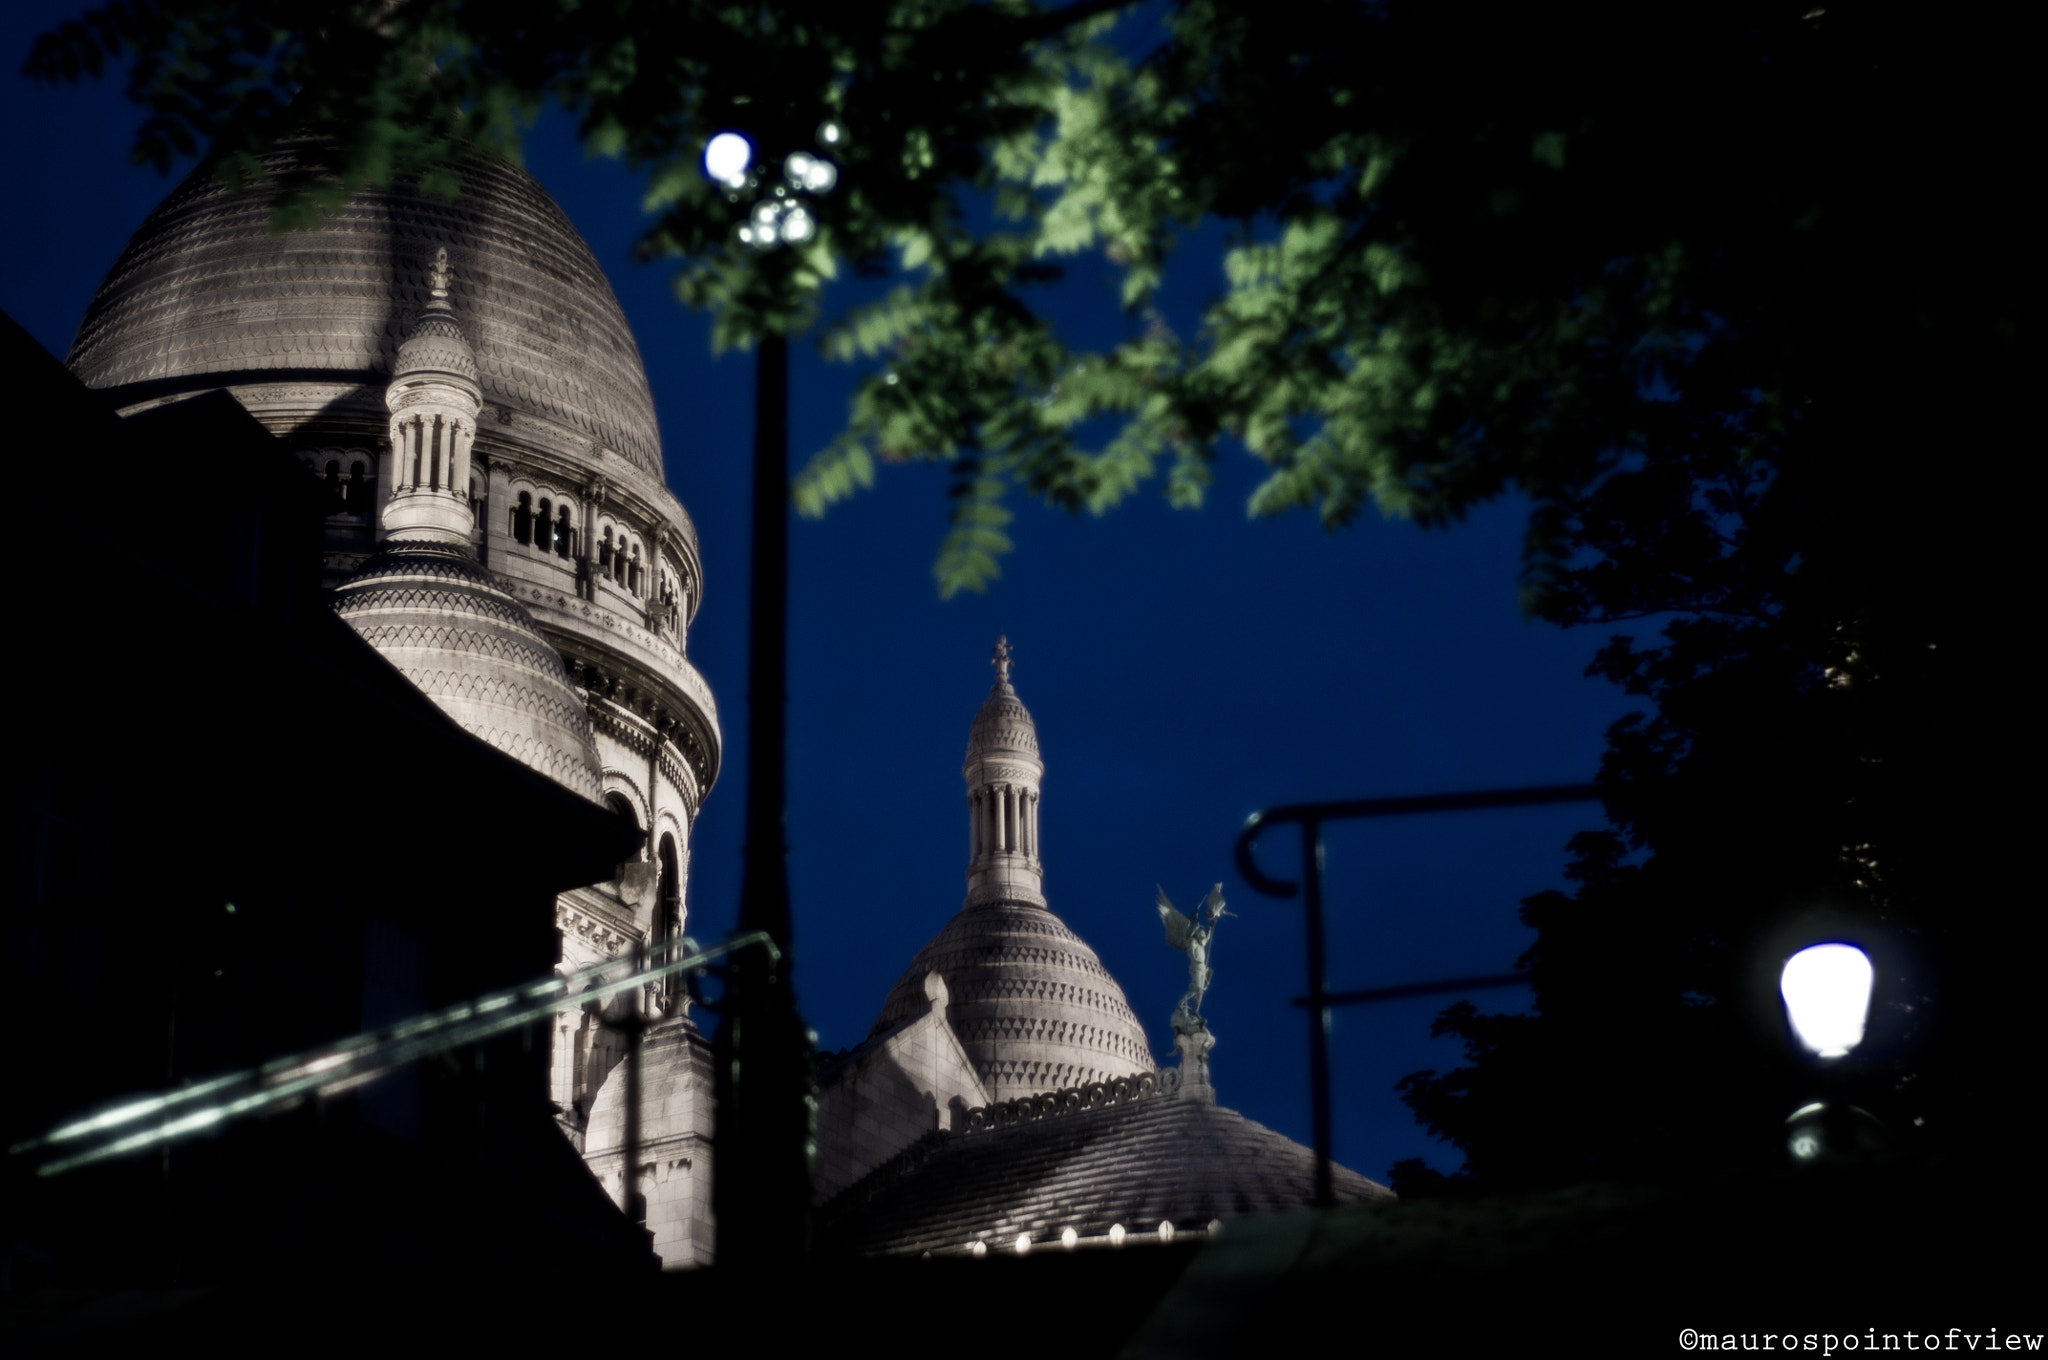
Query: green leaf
point(832, 475)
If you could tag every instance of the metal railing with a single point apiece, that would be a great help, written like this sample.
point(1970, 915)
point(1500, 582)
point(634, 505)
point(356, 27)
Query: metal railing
point(1319, 999)
point(148, 1121)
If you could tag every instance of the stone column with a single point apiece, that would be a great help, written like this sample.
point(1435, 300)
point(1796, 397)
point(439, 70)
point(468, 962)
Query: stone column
point(497, 506)
point(586, 556)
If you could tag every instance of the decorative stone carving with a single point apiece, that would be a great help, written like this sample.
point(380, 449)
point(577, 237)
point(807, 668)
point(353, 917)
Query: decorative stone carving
point(1051, 1104)
point(600, 934)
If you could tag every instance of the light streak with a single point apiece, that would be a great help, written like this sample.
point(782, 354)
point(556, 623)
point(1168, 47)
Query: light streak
point(358, 1060)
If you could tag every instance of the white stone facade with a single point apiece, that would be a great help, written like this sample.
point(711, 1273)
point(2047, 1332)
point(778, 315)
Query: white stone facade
point(461, 378)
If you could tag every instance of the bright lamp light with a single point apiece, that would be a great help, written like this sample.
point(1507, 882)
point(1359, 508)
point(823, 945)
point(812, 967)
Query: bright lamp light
point(726, 158)
point(808, 172)
point(1827, 993)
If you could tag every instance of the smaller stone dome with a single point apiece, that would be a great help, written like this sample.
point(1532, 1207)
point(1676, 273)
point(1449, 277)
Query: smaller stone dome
point(436, 347)
point(1031, 1003)
point(1003, 727)
point(437, 615)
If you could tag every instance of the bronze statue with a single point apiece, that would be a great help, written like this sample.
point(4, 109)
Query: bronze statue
point(1191, 937)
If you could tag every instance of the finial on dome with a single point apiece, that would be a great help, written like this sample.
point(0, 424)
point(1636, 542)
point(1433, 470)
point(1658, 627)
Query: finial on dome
point(439, 275)
point(1001, 661)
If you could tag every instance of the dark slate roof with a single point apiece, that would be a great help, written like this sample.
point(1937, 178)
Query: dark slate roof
point(1135, 1163)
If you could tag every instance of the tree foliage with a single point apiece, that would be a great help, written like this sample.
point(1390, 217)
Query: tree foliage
point(948, 107)
point(1817, 757)
point(1467, 258)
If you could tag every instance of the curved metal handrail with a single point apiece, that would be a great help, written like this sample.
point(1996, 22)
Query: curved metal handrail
point(1310, 817)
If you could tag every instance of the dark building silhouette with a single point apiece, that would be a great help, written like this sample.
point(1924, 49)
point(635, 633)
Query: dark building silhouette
point(240, 833)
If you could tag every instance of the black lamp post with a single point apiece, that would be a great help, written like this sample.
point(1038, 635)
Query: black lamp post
point(761, 1186)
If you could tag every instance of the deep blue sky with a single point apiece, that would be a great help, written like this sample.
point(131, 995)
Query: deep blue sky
point(1184, 670)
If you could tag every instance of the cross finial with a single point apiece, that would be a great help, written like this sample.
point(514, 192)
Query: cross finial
point(1001, 660)
point(439, 275)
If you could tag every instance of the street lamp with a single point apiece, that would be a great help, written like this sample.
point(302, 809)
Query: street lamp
point(726, 158)
point(1827, 995)
point(761, 1190)
point(1826, 990)
point(784, 215)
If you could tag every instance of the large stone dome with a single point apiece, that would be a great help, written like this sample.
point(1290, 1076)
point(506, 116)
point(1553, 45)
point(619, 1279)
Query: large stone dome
point(1030, 1002)
point(207, 296)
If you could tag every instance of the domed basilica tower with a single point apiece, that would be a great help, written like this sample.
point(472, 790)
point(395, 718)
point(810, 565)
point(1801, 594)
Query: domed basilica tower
point(1032, 1005)
point(460, 377)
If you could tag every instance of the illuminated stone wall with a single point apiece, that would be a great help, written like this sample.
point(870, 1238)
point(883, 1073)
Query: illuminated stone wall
point(674, 1155)
point(891, 1091)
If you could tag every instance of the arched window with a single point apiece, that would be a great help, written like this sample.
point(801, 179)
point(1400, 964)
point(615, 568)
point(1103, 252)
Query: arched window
point(669, 914)
point(671, 611)
point(668, 921)
point(543, 526)
point(633, 584)
point(331, 487)
point(564, 535)
point(604, 553)
point(356, 495)
point(623, 806)
point(522, 518)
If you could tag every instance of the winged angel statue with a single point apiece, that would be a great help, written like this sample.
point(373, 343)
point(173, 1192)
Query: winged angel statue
point(1191, 937)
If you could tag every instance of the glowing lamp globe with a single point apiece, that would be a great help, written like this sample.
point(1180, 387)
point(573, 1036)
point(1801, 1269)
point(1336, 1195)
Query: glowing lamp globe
point(813, 174)
point(726, 158)
point(1827, 995)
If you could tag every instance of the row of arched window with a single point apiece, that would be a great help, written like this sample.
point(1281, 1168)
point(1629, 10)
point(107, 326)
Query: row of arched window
point(344, 494)
point(354, 492)
point(547, 528)
point(619, 562)
point(544, 527)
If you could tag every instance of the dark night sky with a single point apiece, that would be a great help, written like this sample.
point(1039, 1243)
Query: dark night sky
point(1184, 669)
